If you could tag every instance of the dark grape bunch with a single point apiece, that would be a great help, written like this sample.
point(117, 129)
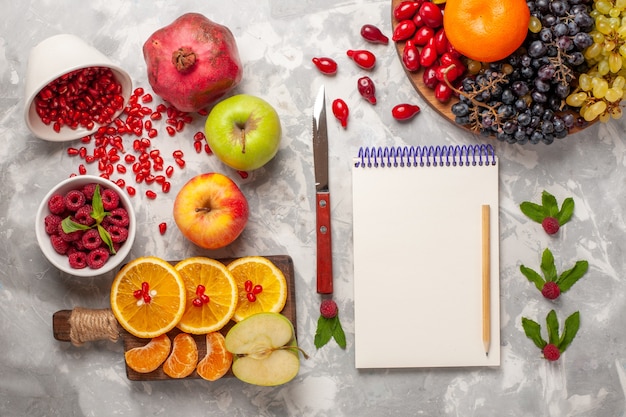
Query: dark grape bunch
point(521, 99)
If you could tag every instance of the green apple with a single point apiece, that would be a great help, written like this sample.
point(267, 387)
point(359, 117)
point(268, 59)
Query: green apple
point(210, 210)
point(243, 131)
point(264, 349)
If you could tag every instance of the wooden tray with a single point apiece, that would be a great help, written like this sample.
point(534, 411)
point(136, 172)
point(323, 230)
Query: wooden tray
point(428, 94)
point(61, 327)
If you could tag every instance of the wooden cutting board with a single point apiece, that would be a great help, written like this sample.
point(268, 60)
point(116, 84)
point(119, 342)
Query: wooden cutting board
point(61, 324)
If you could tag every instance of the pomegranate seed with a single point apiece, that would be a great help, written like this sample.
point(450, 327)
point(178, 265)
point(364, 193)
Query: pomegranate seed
point(151, 194)
point(180, 162)
point(82, 170)
point(138, 294)
point(243, 174)
point(152, 133)
point(197, 146)
point(129, 159)
point(178, 154)
point(207, 149)
point(200, 289)
point(138, 91)
point(258, 289)
point(204, 298)
point(121, 168)
point(72, 151)
point(162, 228)
point(248, 286)
point(156, 116)
point(169, 171)
point(199, 136)
point(170, 130)
point(251, 297)
point(131, 191)
point(197, 302)
point(121, 183)
point(166, 187)
point(203, 112)
point(146, 98)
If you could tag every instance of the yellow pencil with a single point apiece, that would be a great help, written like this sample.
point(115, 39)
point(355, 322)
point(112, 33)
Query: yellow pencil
point(486, 264)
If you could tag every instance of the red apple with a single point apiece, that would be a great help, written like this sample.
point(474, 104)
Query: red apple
point(211, 211)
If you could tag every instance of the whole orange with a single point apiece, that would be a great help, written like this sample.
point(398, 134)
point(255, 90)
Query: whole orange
point(486, 30)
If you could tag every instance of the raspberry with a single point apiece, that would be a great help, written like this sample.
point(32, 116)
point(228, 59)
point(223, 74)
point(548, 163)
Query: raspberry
point(91, 239)
point(118, 234)
point(83, 215)
point(56, 204)
point(69, 237)
point(52, 222)
point(550, 225)
point(328, 309)
point(551, 290)
point(74, 200)
point(118, 217)
point(110, 199)
point(78, 259)
point(59, 245)
point(97, 258)
point(88, 191)
point(551, 352)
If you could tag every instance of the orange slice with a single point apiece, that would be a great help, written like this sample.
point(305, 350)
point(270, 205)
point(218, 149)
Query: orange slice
point(217, 361)
point(211, 295)
point(148, 297)
point(149, 357)
point(262, 286)
point(184, 357)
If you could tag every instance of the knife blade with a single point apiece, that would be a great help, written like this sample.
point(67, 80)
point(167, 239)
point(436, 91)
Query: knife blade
point(322, 196)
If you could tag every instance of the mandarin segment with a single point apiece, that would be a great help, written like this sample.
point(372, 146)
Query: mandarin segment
point(261, 285)
point(184, 357)
point(147, 358)
point(217, 361)
point(211, 295)
point(148, 297)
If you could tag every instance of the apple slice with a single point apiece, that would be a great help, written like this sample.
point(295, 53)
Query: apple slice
point(264, 349)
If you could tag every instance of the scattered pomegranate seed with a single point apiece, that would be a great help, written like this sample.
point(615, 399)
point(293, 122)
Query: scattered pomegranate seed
point(162, 228)
point(243, 174)
point(151, 194)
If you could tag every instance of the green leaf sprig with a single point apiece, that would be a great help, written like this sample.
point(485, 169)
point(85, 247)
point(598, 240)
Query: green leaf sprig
point(98, 214)
point(564, 281)
point(549, 209)
point(556, 340)
point(328, 329)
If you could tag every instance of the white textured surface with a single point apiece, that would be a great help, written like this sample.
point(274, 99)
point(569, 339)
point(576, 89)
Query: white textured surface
point(277, 39)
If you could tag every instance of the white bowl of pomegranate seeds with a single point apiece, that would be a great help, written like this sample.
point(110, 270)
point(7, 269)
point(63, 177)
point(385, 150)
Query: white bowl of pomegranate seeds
point(72, 89)
point(86, 225)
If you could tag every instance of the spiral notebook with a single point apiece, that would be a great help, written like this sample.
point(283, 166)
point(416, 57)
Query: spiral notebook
point(419, 258)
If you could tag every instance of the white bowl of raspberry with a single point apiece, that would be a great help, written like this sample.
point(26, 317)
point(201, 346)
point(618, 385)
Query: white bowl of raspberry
point(86, 226)
point(72, 89)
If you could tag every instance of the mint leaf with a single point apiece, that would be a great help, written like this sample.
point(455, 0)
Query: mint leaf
point(571, 276)
point(550, 205)
point(572, 324)
point(547, 266)
point(97, 211)
point(106, 238)
point(533, 332)
point(324, 332)
point(68, 225)
point(553, 328)
point(533, 277)
point(338, 333)
point(566, 212)
point(534, 211)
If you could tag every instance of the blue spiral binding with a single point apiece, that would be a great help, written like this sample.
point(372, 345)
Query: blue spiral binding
point(461, 155)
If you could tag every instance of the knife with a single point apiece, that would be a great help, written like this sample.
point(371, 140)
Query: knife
point(322, 196)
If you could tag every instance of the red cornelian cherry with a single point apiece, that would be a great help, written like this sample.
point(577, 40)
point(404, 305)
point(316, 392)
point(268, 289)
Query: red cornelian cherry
point(367, 89)
point(374, 35)
point(404, 111)
point(341, 111)
point(363, 58)
point(326, 65)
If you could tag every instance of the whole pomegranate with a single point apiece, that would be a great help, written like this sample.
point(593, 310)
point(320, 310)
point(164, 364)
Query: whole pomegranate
point(192, 62)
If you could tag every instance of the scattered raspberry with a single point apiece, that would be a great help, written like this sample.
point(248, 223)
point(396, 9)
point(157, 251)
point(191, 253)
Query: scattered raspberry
point(118, 234)
point(97, 258)
point(59, 245)
point(550, 225)
point(74, 200)
point(52, 222)
point(83, 215)
point(328, 309)
point(56, 204)
point(551, 290)
point(110, 199)
point(551, 352)
point(91, 239)
point(78, 259)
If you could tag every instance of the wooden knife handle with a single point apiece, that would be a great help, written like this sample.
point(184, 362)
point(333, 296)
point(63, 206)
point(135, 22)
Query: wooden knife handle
point(82, 325)
point(324, 247)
